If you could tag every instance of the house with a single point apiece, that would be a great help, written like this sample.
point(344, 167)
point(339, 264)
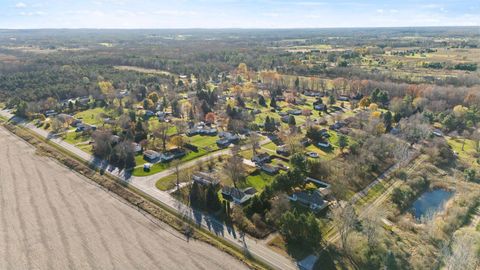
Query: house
point(285, 118)
point(343, 98)
point(149, 113)
point(312, 199)
point(261, 158)
point(204, 179)
point(151, 155)
point(166, 157)
point(294, 112)
point(438, 133)
point(320, 107)
point(76, 122)
point(201, 129)
point(270, 169)
point(85, 127)
point(171, 155)
point(227, 139)
point(223, 143)
point(50, 113)
point(83, 101)
point(305, 141)
point(282, 150)
point(337, 125)
point(236, 195)
point(324, 144)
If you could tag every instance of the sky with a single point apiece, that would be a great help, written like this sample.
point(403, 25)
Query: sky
point(236, 13)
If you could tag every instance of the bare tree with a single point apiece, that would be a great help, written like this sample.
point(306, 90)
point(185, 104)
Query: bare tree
point(254, 142)
point(234, 169)
point(181, 126)
point(176, 167)
point(345, 219)
point(161, 132)
point(463, 253)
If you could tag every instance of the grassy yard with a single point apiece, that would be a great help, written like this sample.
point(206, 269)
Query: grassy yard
point(166, 183)
point(158, 167)
point(258, 180)
point(92, 116)
point(204, 141)
point(87, 148)
point(466, 155)
point(75, 137)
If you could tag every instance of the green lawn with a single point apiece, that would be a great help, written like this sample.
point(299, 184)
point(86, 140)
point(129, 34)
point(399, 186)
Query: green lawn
point(258, 180)
point(167, 183)
point(92, 116)
point(75, 137)
point(158, 167)
point(270, 146)
point(204, 141)
point(466, 155)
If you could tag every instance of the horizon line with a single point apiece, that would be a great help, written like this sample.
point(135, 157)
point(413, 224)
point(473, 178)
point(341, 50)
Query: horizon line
point(244, 28)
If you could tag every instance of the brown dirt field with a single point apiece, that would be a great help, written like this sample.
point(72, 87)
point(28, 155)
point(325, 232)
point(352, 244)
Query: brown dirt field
point(52, 218)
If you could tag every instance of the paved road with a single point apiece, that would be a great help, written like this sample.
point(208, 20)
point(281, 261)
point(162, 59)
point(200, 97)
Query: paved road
point(147, 185)
point(53, 218)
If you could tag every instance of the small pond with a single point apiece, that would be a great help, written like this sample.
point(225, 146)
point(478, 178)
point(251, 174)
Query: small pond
point(430, 202)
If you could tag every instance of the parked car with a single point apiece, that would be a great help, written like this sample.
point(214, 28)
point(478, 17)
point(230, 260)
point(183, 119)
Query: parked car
point(313, 154)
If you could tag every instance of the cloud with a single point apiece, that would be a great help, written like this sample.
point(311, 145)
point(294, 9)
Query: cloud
point(33, 13)
point(20, 5)
point(174, 12)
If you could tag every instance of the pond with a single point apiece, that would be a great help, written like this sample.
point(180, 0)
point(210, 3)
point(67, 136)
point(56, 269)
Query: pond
point(430, 202)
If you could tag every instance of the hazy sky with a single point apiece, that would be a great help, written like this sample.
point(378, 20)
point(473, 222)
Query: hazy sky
point(235, 13)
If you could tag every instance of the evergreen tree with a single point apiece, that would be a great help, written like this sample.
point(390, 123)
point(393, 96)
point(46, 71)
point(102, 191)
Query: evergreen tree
point(195, 196)
point(273, 102)
point(212, 202)
point(261, 101)
point(291, 121)
point(331, 100)
point(387, 120)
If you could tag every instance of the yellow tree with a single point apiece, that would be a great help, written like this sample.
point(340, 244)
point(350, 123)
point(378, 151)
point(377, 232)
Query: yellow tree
point(107, 89)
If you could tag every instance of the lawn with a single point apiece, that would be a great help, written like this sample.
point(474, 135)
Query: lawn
point(158, 167)
point(87, 148)
point(75, 137)
point(92, 116)
point(258, 180)
point(204, 141)
point(270, 146)
point(466, 155)
point(167, 183)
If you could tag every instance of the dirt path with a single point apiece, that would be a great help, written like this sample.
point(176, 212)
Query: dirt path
point(51, 218)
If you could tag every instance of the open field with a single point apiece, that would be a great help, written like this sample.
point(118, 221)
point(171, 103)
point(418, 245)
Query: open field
point(144, 70)
point(54, 219)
